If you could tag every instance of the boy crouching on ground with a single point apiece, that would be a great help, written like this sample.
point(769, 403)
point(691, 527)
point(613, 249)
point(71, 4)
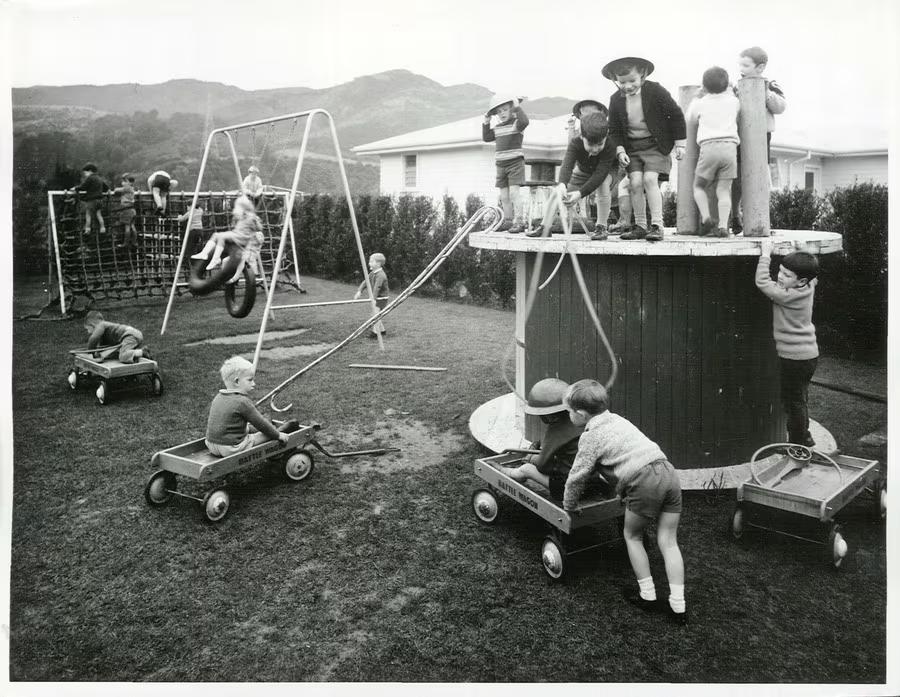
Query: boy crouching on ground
point(646, 481)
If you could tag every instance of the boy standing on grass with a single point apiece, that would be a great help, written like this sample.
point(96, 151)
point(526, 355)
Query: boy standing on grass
point(645, 123)
point(715, 114)
point(378, 279)
point(103, 333)
point(510, 157)
point(232, 411)
point(648, 484)
point(792, 296)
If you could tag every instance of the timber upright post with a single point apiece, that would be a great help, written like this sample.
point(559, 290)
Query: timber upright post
point(754, 156)
point(687, 216)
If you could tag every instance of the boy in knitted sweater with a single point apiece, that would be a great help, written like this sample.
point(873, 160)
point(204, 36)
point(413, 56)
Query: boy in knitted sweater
point(792, 296)
point(509, 158)
point(647, 483)
point(232, 410)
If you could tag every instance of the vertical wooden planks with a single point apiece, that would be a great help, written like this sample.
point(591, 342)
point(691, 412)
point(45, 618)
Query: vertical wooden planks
point(665, 378)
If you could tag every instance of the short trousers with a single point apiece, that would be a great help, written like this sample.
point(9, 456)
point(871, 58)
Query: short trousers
point(578, 179)
point(161, 183)
point(718, 160)
point(126, 216)
point(510, 173)
point(92, 206)
point(645, 156)
point(557, 484)
point(225, 450)
point(653, 490)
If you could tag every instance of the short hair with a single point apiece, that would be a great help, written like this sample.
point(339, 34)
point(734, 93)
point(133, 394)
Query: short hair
point(89, 167)
point(587, 395)
point(379, 257)
point(626, 67)
point(173, 182)
point(594, 127)
point(235, 367)
point(756, 54)
point(804, 264)
point(715, 80)
point(253, 168)
point(92, 318)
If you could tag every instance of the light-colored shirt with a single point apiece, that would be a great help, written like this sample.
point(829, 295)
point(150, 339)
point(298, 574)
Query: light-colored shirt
point(252, 185)
point(196, 221)
point(716, 117)
point(792, 327)
point(637, 124)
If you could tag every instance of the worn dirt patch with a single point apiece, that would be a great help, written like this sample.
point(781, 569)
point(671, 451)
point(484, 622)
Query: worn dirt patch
point(283, 353)
point(421, 446)
point(248, 338)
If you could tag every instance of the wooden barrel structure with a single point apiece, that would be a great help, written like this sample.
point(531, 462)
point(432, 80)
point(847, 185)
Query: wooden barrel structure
point(692, 335)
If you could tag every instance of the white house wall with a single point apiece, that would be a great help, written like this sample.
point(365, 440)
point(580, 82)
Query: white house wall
point(845, 171)
point(391, 179)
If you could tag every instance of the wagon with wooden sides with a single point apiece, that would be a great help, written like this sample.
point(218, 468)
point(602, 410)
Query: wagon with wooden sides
point(193, 461)
point(99, 367)
point(569, 532)
point(803, 490)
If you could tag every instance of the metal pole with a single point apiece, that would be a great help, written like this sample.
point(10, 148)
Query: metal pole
point(62, 297)
point(323, 303)
point(294, 250)
point(234, 157)
point(687, 215)
point(754, 156)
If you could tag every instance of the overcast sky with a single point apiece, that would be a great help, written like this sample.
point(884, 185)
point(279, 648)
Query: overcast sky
point(833, 59)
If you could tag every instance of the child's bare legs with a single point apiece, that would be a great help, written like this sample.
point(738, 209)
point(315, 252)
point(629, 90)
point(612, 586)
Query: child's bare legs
point(654, 197)
point(515, 203)
point(506, 205)
point(160, 199)
point(723, 194)
point(638, 203)
point(604, 202)
point(702, 198)
point(210, 245)
point(217, 255)
point(633, 533)
point(526, 471)
point(624, 194)
point(667, 539)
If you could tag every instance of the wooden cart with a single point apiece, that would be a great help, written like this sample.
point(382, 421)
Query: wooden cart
point(96, 366)
point(563, 538)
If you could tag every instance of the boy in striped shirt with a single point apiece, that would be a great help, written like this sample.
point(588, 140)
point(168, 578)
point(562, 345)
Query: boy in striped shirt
point(510, 157)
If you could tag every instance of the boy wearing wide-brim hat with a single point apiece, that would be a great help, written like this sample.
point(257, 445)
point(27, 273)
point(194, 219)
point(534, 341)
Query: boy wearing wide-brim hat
point(645, 124)
point(510, 156)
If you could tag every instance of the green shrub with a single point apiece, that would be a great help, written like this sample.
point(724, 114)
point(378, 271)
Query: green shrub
point(794, 209)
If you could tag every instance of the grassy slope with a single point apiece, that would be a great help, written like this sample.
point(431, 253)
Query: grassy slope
point(376, 569)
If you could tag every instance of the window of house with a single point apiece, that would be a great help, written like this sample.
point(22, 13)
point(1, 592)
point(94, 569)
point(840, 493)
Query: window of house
point(409, 171)
point(810, 180)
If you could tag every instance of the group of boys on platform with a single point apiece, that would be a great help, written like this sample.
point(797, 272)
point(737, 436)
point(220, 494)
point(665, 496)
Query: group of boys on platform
point(637, 133)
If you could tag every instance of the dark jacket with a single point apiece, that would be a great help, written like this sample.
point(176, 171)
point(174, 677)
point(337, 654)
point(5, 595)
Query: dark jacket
point(664, 118)
point(597, 166)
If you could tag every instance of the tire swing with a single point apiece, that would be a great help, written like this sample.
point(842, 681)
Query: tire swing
point(238, 304)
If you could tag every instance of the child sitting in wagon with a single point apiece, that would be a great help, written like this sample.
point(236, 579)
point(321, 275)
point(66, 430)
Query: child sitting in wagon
point(247, 234)
point(232, 412)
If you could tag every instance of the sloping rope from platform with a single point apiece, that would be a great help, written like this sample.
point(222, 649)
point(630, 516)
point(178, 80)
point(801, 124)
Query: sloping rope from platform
point(426, 273)
point(554, 205)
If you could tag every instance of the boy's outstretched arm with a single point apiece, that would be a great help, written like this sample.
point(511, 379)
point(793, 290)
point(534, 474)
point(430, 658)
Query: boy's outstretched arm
point(764, 278)
point(580, 473)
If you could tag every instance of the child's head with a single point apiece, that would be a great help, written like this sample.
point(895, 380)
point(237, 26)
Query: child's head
point(752, 61)
point(238, 374)
point(715, 80)
point(89, 168)
point(588, 106)
point(545, 399)
point(585, 399)
point(797, 270)
point(628, 73)
point(243, 206)
point(501, 107)
point(594, 128)
point(376, 261)
point(91, 320)
point(253, 169)
point(173, 183)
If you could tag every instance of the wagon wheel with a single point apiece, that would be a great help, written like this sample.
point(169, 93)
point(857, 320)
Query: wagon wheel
point(835, 545)
point(880, 501)
point(737, 523)
point(215, 505)
point(72, 379)
point(160, 486)
point(553, 557)
point(156, 385)
point(299, 465)
point(101, 393)
point(486, 506)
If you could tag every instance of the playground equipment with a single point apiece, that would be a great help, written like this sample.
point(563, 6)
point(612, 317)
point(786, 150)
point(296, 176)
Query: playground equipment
point(808, 486)
point(96, 366)
point(571, 532)
point(193, 461)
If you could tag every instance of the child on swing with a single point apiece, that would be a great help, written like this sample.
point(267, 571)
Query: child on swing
point(247, 234)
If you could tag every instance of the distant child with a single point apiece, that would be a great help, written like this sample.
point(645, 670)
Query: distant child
point(752, 62)
point(792, 296)
point(644, 479)
point(232, 410)
point(645, 123)
point(102, 333)
point(587, 164)
point(196, 229)
point(252, 186)
point(159, 183)
point(247, 234)
point(126, 210)
point(90, 192)
point(379, 280)
point(510, 157)
point(715, 114)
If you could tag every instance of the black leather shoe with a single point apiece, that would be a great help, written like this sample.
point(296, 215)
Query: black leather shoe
point(634, 597)
point(679, 618)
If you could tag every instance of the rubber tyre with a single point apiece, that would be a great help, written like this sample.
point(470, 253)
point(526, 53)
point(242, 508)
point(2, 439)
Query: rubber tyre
point(156, 385)
point(299, 465)
point(72, 379)
point(202, 282)
point(737, 523)
point(102, 393)
point(553, 558)
point(486, 506)
point(239, 307)
point(879, 504)
point(216, 504)
point(158, 488)
point(835, 546)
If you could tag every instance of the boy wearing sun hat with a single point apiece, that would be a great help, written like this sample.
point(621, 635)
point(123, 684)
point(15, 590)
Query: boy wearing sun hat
point(510, 156)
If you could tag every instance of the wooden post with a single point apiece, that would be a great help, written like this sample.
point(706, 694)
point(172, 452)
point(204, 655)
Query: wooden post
point(687, 217)
point(754, 157)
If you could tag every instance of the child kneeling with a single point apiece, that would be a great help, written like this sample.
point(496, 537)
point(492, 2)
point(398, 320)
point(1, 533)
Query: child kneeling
point(232, 410)
point(646, 481)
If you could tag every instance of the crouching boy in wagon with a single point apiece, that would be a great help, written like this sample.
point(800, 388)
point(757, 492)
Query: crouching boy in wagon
point(646, 481)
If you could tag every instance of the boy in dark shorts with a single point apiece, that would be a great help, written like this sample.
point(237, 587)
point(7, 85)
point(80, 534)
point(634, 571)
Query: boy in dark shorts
point(510, 157)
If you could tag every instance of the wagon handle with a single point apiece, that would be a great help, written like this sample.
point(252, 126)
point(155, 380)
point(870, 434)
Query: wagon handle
point(797, 453)
point(376, 451)
point(520, 451)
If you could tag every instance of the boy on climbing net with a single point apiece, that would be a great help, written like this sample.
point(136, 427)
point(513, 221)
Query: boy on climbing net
point(379, 280)
point(247, 235)
point(645, 480)
point(509, 158)
point(102, 333)
point(232, 413)
point(159, 183)
point(126, 211)
point(91, 193)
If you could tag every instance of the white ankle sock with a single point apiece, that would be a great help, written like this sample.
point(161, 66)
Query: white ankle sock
point(676, 597)
point(648, 590)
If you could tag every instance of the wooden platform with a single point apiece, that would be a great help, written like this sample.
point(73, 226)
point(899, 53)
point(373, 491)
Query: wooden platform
point(493, 424)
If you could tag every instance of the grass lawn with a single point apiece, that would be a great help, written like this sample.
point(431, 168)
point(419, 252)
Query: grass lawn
point(375, 569)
